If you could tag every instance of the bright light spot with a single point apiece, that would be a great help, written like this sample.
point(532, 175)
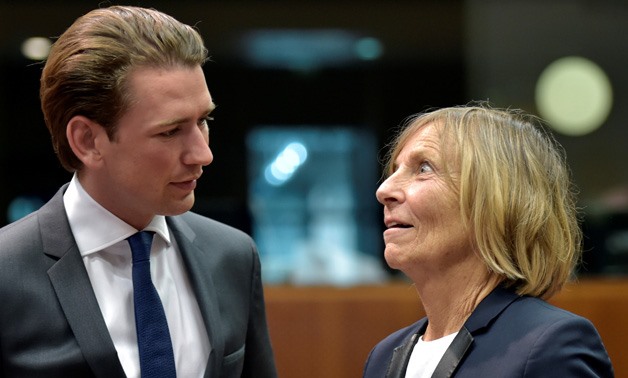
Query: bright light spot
point(574, 95)
point(271, 177)
point(369, 48)
point(281, 173)
point(285, 164)
point(299, 150)
point(36, 48)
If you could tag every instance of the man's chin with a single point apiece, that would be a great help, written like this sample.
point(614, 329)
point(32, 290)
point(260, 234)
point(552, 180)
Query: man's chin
point(179, 207)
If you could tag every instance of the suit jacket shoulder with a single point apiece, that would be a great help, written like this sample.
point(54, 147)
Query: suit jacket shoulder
point(50, 322)
point(511, 336)
point(532, 339)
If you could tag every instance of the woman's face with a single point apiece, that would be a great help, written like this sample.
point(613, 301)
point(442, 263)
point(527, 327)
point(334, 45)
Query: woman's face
point(424, 229)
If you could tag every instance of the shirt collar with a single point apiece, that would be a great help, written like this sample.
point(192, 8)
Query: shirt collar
point(94, 227)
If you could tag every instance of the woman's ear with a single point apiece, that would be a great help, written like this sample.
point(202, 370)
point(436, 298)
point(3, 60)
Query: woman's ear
point(83, 135)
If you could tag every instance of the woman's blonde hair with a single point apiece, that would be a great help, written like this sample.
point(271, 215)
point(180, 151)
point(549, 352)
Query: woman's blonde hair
point(515, 192)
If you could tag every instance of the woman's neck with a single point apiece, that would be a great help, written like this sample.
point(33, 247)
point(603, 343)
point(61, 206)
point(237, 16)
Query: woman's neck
point(449, 301)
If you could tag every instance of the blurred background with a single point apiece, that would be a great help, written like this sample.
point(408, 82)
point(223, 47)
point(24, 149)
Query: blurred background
point(310, 92)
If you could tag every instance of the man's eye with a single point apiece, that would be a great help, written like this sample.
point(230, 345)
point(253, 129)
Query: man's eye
point(169, 133)
point(206, 120)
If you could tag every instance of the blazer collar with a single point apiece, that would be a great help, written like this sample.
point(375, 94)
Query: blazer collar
point(401, 356)
point(490, 307)
point(73, 288)
point(199, 265)
point(494, 304)
point(74, 291)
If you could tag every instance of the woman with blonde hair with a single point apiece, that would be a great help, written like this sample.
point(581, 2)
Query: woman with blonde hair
point(481, 215)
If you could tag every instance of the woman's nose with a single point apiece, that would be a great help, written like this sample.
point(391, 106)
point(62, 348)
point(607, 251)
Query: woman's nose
point(388, 191)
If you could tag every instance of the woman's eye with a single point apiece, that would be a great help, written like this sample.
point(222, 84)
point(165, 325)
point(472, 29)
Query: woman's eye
point(425, 167)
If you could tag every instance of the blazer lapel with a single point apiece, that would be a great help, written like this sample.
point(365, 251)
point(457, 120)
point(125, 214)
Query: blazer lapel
point(400, 358)
point(487, 310)
point(446, 366)
point(74, 291)
point(482, 316)
point(490, 307)
point(401, 354)
point(458, 348)
point(199, 271)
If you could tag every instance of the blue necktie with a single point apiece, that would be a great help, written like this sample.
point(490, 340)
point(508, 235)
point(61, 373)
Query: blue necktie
point(153, 336)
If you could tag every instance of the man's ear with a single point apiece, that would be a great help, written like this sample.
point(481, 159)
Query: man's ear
point(84, 137)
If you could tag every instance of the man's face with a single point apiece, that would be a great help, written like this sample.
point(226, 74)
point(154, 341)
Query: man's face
point(151, 165)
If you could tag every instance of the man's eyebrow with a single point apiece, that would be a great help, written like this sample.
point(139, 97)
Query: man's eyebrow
point(176, 121)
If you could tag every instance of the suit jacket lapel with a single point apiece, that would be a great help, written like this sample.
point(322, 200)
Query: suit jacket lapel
point(401, 354)
point(199, 271)
point(496, 302)
point(458, 348)
point(74, 291)
point(490, 307)
point(400, 358)
point(482, 316)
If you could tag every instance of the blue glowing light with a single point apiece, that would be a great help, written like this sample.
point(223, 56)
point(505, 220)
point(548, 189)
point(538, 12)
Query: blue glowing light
point(283, 167)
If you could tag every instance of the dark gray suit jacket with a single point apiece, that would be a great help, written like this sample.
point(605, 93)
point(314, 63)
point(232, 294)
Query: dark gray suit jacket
point(506, 336)
point(50, 322)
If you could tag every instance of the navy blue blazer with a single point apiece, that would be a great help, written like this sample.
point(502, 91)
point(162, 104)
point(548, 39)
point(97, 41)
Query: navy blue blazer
point(506, 336)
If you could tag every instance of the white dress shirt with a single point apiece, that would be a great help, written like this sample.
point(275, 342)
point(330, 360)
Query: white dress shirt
point(100, 237)
point(426, 355)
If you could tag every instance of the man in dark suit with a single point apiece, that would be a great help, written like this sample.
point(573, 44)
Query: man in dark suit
point(125, 100)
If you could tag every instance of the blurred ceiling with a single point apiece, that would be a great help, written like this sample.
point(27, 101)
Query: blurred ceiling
point(406, 28)
point(433, 50)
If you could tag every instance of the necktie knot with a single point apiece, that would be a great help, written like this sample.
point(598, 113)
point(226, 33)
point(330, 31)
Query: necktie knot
point(140, 245)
